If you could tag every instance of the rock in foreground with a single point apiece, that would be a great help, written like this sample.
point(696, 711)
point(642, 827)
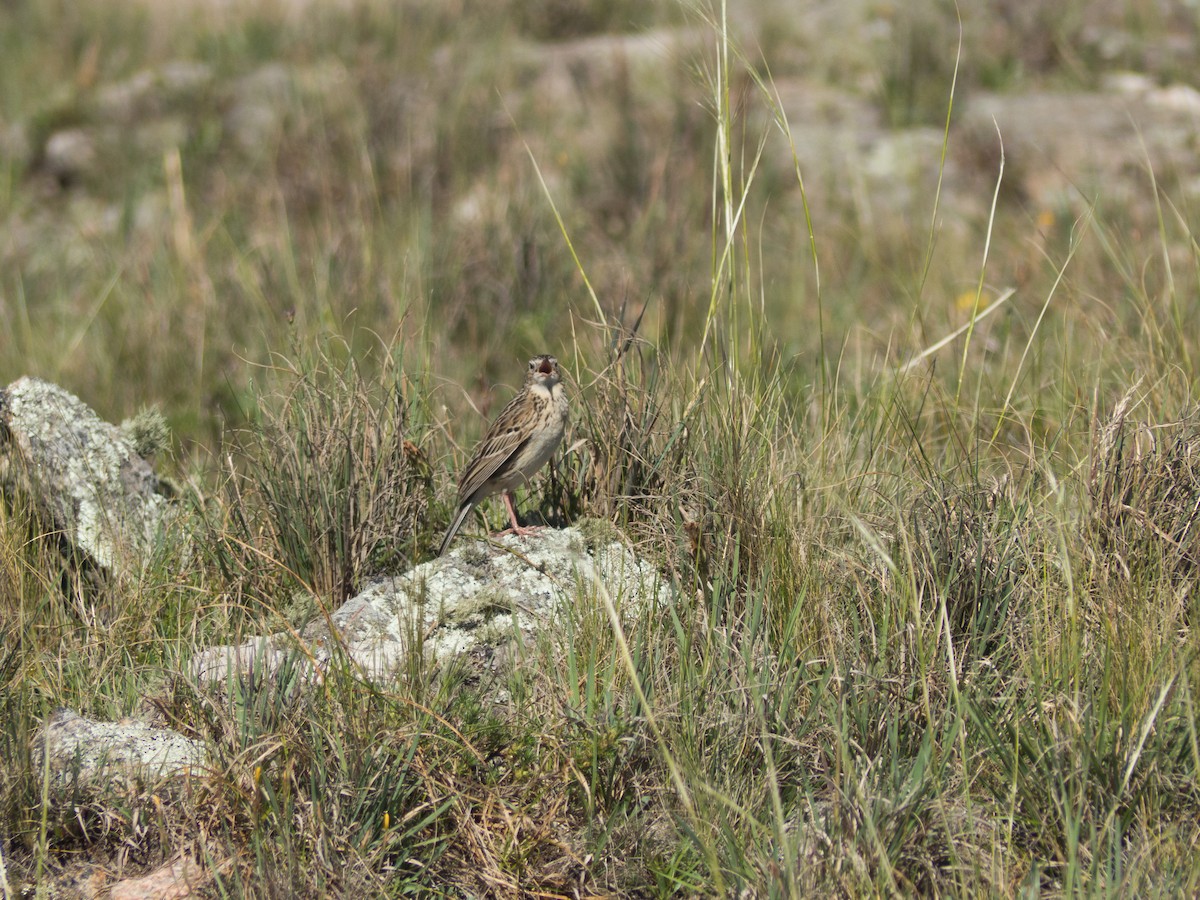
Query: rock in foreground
point(93, 751)
point(478, 597)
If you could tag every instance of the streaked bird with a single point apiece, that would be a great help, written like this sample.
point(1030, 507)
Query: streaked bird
point(520, 441)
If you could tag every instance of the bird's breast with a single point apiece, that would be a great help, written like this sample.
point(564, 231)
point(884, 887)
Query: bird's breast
point(552, 413)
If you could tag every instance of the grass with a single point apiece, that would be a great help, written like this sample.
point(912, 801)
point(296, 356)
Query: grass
point(932, 633)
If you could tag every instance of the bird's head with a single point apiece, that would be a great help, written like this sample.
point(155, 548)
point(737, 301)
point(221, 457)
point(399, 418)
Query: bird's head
point(544, 371)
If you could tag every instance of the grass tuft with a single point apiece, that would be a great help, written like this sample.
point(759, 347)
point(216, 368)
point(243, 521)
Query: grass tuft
point(334, 487)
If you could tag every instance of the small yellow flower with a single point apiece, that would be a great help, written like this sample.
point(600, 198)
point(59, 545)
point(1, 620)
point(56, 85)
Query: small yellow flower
point(965, 302)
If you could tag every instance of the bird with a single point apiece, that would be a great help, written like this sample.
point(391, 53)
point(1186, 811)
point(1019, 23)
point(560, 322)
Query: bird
point(520, 441)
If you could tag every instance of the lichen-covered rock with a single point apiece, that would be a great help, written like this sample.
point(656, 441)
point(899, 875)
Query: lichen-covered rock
point(83, 472)
point(83, 750)
point(474, 598)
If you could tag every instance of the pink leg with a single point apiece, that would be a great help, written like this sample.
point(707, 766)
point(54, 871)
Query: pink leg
point(517, 528)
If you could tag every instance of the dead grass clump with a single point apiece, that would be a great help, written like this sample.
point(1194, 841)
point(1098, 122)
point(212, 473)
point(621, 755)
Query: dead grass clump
point(974, 549)
point(1144, 498)
point(517, 838)
point(685, 478)
point(334, 792)
point(626, 448)
point(334, 487)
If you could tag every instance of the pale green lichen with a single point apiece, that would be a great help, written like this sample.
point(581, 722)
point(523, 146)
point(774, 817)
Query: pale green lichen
point(477, 607)
point(84, 473)
point(597, 533)
point(148, 431)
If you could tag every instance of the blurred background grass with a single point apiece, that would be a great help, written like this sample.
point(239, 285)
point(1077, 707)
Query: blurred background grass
point(241, 178)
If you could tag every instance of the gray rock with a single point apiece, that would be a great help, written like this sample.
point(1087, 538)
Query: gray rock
point(1128, 84)
point(1063, 146)
point(900, 169)
point(138, 118)
point(82, 472)
point(70, 154)
point(475, 599)
point(565, 70)
point(581, 80)
point(149, 92)
point(255, 118)
point(1177, 98)
point(92, 751)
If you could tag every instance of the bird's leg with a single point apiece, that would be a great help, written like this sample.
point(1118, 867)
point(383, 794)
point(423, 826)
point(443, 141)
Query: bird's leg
point(517, 528)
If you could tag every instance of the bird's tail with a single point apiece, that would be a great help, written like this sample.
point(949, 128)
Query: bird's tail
point(459, 518)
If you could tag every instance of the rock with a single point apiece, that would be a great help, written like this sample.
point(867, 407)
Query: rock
point(1179, 98)
point(149, 92)
point(593, 84)
point(69, 155)
point(1129, 84)
point(565, 70)
point(85, 750)
point(182, 78)
point(158, 136)
point(1066, 148)
point(122, 124)
point(81, 471)
point(174, 881)
point(255, 118)
point(900, 169)
point(476, 599)
point(827, 126)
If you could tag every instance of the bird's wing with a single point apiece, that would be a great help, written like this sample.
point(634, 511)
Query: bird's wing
point(507, 435)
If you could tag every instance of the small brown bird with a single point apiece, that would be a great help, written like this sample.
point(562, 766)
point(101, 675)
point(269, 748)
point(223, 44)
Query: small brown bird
point(520, 441)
